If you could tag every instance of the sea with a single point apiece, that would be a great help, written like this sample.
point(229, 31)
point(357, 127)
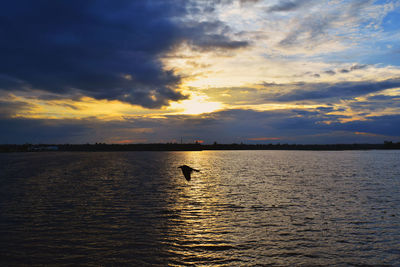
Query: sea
point(244, 208)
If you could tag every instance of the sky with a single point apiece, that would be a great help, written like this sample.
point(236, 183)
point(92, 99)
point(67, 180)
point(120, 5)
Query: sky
point(225, 71)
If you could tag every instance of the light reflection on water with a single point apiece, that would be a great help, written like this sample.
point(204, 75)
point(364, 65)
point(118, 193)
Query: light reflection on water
point(243, 208)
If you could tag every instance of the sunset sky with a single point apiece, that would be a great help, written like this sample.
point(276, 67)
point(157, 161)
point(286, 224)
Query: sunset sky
point(230, 71)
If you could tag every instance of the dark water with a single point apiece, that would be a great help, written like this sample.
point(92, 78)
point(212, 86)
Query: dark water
point(243, 208)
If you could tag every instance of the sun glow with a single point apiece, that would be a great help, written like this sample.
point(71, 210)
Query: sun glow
point(197, 104)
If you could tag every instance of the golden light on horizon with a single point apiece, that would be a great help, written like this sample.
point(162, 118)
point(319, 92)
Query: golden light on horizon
point(196, 105)
point(88, 107)
point(85, 107)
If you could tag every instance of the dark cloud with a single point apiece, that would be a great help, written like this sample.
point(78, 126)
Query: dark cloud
point(388, 125)
point(19, 131)
point(330, 72)
point(353, 68)
point(267, 84)
point(214, 41)
point(322, 93)
point(376, 103)
point(210, 36)
point(9, 109)
point(343, 90)
point(249, 1)
point(102, 49)
point(211, 4)
point(288, 5)
point(308, 74)
point(358, 67)
point(326, 109)
point(384, 98)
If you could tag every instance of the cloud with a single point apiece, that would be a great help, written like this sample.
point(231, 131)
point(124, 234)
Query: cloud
point(358, 67)
point(9, 109)
point(314, 93)
point(288, 5)
point(377, 103)
point(341, 90)
point(387, 125)
point(210, 35)
point(264, 138)
point(248, 2)
point(228, 126)
point(103, 49)
point(353, 68)
point(21, 131)
point(327, 22)
point(330, 72)
point(385, 98)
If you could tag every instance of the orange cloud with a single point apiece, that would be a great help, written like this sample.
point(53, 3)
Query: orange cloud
point(367, 134)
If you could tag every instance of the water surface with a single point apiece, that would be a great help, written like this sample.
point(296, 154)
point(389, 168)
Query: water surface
point(243, 208)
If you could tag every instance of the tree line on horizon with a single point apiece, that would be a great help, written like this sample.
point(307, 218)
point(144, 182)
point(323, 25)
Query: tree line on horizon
point(190, 147)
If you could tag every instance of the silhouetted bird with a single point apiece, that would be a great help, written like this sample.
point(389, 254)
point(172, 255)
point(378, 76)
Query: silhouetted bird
point(187, 171)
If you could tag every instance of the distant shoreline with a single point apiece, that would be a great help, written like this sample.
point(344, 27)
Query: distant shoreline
point(192, 147)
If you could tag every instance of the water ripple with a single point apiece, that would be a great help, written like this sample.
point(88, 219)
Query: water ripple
point(245, 208)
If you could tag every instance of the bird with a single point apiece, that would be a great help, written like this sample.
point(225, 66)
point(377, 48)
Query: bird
point(187, 171)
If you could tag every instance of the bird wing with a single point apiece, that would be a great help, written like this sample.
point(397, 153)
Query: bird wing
point(186, 173)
